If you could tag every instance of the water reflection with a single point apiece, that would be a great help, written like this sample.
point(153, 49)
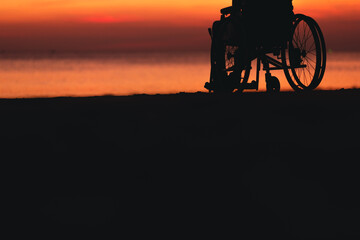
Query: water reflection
point(124, 74)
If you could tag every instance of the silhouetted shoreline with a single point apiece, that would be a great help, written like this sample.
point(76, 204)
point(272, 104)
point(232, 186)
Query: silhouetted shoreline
point(253, 164)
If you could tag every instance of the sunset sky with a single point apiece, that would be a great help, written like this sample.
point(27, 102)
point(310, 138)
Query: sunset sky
point(118, 25)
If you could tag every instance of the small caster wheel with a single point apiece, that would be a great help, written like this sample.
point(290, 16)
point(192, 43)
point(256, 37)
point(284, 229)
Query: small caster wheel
point(272, 85)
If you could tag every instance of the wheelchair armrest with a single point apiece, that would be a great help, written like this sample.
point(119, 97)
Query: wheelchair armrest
point(226, 11)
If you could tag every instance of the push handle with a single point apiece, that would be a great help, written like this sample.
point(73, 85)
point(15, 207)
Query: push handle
point(226, 11)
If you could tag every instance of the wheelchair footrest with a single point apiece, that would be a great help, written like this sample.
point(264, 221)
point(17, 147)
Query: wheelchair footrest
point(209, 86)
point(253, 85)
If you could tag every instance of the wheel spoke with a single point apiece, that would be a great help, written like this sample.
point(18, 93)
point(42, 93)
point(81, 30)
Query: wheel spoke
point(303, 74)
point(309, 34)
point(298, 38)
point(297, 45)
point(312, 66)
point(304, 41)
point(312, 53)
point(312, 47)
point(310, 74)
point(312, 60)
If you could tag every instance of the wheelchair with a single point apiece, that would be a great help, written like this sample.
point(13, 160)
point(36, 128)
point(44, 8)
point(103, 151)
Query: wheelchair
point(300, 54)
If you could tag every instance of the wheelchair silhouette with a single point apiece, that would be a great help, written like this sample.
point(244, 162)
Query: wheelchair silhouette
point(301, 54)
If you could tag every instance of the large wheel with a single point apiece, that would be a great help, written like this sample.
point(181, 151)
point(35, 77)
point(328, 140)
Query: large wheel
point(225, 57)
point(304, 57)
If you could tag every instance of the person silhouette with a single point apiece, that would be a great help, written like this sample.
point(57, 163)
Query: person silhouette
point(265, 21)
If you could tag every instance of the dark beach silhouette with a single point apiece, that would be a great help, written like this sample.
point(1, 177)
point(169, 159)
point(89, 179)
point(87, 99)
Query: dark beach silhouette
point(254, 165)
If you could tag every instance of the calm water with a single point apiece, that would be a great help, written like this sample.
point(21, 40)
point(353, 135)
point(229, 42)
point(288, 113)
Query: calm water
point(124, 74)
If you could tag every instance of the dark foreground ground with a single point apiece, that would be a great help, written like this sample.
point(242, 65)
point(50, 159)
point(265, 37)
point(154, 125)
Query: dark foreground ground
point(254, 165)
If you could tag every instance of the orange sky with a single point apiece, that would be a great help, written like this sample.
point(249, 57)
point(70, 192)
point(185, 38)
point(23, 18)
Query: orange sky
point(142, 24)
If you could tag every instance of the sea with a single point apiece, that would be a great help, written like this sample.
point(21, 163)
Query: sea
point(97, 74)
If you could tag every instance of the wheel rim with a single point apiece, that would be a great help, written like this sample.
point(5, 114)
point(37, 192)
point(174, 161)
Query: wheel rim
point(323, 52)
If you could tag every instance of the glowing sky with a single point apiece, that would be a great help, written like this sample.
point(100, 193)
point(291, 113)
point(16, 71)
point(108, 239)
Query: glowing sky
point(157, 24)
point(136, 10)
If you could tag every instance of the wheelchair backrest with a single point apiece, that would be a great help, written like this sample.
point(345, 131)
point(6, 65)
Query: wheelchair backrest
point(262, 6)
